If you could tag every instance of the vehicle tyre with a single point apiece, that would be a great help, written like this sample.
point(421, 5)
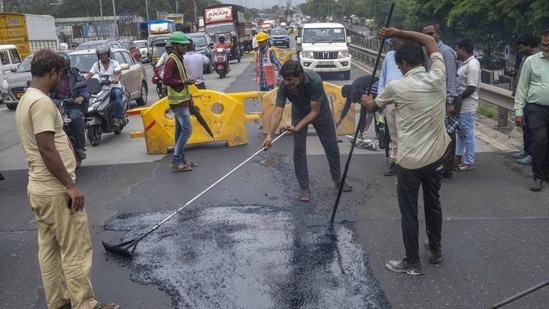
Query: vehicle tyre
point(220, 75)
point(347, 75)
point(94, 135)
point(142, 101)
point(11, 106)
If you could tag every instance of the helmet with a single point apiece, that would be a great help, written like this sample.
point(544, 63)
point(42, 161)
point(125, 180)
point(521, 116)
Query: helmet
point(178, 37)
point(103, 49)
point(261, 37)
point(221, 38)
point(66, 59)
point(169, 45)
point(63, 46)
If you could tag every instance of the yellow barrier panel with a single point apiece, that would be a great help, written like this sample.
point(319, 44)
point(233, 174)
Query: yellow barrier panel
point(337, 102)
point(282, 54)
point(224, 114)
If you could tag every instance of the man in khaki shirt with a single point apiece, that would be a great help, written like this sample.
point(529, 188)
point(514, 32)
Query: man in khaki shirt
point(64, 244)
point(419, 99)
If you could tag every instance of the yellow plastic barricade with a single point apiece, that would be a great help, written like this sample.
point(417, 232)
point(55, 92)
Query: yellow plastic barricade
point(224, 114)
point(337, 102)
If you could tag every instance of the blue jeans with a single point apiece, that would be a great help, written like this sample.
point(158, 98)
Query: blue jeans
point(465, 138)
point(183, 130)
point(116, 98)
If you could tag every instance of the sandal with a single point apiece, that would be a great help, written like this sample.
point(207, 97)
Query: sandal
point(107, 306)
point(346, 187)
point(191, 164)
point(182, 167)
point(116, 122)
point(463, 168)
point(305, 197)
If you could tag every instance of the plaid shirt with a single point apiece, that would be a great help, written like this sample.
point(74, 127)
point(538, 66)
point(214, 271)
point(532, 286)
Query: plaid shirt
point(452, 124)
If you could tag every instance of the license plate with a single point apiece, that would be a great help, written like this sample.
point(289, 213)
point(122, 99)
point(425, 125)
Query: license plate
point(19, 95)
point(279, 41)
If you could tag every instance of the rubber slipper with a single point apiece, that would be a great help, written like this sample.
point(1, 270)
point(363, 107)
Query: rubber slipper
point(304, 197)
point(107, 306)
point(464, 168)
point(182, 167)
point(346, 187)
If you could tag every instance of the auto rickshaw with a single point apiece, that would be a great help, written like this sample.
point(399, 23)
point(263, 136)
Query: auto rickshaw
point(236, 48)
point(158, 48)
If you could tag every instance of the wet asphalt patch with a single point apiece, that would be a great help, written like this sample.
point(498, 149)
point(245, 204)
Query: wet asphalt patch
point(250, 257)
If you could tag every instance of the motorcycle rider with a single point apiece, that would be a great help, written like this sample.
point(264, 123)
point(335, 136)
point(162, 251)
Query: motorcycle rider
point(159, 70)
point(110, 67)
point(75, 112)
point(226, 46)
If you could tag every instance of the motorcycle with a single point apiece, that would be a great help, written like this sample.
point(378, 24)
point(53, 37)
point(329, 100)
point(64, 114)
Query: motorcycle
point(100, 114)
point(157, 80)
point(222, 62)
point(67, 121)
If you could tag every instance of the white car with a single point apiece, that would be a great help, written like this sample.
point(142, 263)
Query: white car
point(134, 77)
point(143, 46)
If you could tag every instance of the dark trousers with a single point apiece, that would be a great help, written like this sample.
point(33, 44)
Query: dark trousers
point(325, 129)
point(539, 126)
point(77, 126)
point(408, 183)
point(526, 133)
point(449, 155)
point(201, 86)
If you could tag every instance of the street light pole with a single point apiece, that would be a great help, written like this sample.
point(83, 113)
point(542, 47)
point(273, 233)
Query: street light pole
point(114, 18)
point(102, 23)
point(147, 8)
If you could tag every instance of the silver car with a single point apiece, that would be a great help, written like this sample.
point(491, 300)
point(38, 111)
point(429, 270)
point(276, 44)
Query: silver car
point(13, 87)
point(134, 78)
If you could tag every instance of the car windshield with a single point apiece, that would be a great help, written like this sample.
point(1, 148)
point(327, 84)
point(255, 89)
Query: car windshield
point(25, 66)
point(83, 62)
point(278, 32)
point(85, 46)
point(126, 45)
point(142, 44)
point(326, 35)
point(199, 41)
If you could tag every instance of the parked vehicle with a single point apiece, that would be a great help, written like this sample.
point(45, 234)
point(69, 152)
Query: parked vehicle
point(204, 45)
point(95, 43)
point(134, 76)
point(67, 121)
point(100, 115)
point(28, 32)
point(221, 62)
point(280, 37)
point(130, 46)
point(322, 47)
point(13, 87)
point(143, 46)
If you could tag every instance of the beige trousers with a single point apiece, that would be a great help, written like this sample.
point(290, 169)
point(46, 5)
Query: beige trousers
point(64, 252)
point(390, 117)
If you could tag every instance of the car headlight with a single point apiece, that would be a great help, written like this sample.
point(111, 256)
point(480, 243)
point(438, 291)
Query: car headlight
point(5, 84)
point(343, 54)
point(307, 54)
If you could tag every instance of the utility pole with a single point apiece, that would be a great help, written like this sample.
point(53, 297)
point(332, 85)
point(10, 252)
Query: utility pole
point(115, 22)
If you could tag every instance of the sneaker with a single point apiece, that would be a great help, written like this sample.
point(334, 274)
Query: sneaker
point(403, 266)
point(436, 255)
point(173, 165)
point(392, 171)
point(351, 137)
point(520, 155)
point(526, 160)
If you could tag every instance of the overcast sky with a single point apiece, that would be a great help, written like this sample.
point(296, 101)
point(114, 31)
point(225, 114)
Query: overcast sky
point(263, 4)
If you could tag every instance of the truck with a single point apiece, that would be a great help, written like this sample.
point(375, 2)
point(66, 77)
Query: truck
point(225, 18)
point(28, 32)
point(323, 47)
point(151, 30)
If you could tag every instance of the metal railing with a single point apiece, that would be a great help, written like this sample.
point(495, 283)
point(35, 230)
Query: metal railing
point(365, 51)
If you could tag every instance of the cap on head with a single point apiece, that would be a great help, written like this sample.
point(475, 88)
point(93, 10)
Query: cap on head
point(178, 37)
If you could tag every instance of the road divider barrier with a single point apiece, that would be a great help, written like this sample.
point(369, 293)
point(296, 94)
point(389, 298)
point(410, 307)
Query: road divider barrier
point(224, 113)
point(336, 101)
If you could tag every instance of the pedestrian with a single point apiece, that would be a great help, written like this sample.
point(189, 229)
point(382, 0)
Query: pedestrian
point(526, 46)
point(304, 89)
point(533, 90)
point(105, 66)
point(452, 97)
point(64, 243)
point(469, 86)
point(419, 99)
point(352, 94)
point(267, 64)
point(179, 100)
point(194, 63)
point(390, 72)
point(78, 107)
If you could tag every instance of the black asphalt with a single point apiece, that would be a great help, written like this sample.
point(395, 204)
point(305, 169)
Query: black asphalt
point(247, 243)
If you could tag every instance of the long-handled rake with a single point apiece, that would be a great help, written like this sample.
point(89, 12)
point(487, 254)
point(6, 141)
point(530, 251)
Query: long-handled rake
point(127, 248)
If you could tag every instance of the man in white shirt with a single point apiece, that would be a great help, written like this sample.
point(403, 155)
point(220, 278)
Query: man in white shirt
point(107, 66)
point(194, 64)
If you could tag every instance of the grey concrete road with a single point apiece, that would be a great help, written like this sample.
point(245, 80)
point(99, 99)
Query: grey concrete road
point(248, 243)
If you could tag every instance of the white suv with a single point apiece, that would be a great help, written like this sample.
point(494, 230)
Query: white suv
point(322, 47)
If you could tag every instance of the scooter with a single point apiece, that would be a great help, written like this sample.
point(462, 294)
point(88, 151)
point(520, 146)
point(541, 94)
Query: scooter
point(100, 114)
point(157, 80)
point(67, 121)
point(222, 62)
